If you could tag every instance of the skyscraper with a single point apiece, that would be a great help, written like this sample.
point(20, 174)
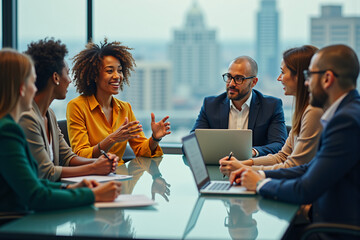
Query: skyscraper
point(194, 54)
point(150, 87)
point(267, 45)
point(332, 28)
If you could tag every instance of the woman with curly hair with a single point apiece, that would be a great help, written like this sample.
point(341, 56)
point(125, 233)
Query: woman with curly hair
point(47, 144)
point(98, 121)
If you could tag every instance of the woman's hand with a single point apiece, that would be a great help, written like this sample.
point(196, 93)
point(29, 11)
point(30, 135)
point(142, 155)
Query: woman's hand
point(107, 192)
point(228, 165)
point(128, 130)
point(161, 128)
point(104, 166)
point(84, 183)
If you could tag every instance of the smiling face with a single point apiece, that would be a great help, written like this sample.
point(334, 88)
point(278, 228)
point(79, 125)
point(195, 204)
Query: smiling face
point(110, 76)
point(288, 80)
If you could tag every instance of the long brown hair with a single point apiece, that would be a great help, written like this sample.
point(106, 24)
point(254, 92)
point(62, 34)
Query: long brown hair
point(297, 60)
point(15, 69)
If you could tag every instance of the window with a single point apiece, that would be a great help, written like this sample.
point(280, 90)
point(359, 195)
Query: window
point(64, 20)
point(187, 44)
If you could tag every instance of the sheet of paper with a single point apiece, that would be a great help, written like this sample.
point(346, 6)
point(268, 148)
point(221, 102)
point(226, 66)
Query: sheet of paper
point(99, 178)
point(127, 200)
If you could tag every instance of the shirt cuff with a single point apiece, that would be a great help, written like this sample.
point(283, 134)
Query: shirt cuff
point(256, 152)
point(262, 173)
point(262, 183)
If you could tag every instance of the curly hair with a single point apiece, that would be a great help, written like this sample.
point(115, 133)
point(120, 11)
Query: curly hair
point(48, 56)
point(88, 62)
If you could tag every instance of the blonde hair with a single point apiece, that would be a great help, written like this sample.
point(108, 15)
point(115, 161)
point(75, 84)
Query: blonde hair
point(15, 69)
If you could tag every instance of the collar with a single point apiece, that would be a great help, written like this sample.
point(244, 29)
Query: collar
point(247, 103)
point(329, 113)
point(93, 103)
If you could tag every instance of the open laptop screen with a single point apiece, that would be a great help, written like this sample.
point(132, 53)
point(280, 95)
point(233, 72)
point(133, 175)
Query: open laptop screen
point(195, 159)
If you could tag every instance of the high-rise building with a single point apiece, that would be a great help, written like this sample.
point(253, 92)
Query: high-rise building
point(194, 54)
point(267, 41)
point(150, 86)
point(333, 28)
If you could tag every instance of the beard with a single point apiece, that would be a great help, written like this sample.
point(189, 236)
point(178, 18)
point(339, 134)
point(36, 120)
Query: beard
point(318, 97)
point(240, 93)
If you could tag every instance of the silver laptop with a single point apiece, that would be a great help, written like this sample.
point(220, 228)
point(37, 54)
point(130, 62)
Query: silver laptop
point(218, 143)
point(201, 175)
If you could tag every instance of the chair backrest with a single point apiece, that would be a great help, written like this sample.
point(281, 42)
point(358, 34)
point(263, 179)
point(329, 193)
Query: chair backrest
point(128, 155)
point(345, 230)
point(288, 129)
point(63, 127)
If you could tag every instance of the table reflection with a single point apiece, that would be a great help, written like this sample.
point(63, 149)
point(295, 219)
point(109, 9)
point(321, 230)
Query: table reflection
point(136, 168)
point(240, 222)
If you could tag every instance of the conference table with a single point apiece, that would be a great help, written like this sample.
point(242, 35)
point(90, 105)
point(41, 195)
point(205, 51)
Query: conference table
point(179, 213)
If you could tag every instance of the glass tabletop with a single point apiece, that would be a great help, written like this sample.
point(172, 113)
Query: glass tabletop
point(180, 212)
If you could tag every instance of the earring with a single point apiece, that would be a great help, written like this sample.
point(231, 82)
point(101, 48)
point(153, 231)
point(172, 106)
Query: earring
point(57, 83)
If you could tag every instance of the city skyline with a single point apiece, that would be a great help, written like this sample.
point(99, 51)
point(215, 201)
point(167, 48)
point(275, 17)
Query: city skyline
point(236, 21)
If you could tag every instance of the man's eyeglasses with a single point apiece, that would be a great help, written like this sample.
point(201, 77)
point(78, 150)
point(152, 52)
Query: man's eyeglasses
point(308, 73)
point(238, 79)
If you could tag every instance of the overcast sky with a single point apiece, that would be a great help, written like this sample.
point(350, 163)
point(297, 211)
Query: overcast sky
point(155, 19)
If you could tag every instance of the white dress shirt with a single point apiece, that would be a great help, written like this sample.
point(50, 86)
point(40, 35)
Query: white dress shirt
point(239, 119)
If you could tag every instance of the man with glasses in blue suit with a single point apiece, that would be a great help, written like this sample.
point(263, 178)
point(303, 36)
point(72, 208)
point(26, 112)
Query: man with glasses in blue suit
point(331, 180)
point(242, 107)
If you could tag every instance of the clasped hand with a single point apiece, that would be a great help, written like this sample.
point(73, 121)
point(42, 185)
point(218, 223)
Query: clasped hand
point(103, 166)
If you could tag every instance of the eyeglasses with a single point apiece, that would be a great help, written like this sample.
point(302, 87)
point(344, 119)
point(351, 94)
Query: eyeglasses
point(238, 79)
point(308, 73)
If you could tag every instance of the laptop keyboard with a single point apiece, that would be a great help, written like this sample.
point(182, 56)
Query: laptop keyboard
point(220, 186)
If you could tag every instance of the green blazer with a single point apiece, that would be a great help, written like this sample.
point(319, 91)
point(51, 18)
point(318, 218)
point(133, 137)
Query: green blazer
point(20, 188)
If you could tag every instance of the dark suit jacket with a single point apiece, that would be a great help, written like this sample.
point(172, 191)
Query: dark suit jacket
point(331, 181)
point(266, 120)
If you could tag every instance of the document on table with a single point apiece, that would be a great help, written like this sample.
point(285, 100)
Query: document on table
point(127, 200)
point(99, 178)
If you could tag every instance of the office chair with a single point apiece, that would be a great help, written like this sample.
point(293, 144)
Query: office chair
point(341, 229)
point(128, 155)
point(63, 127)
point(288, 129)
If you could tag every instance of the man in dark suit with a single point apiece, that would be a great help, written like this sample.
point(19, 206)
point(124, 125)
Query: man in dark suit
point(331, 181)
point(241, 107)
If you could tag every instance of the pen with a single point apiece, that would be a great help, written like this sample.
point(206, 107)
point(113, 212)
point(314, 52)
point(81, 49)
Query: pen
point(230, 155)
point(104, 153)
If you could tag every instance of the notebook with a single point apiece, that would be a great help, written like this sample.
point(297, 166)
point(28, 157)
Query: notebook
point(99, 178)
point(201, 175)
point(218, 143)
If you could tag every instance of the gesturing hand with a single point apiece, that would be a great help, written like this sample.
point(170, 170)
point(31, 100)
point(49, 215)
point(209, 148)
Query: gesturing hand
point(128, 130)
point(161, 128)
